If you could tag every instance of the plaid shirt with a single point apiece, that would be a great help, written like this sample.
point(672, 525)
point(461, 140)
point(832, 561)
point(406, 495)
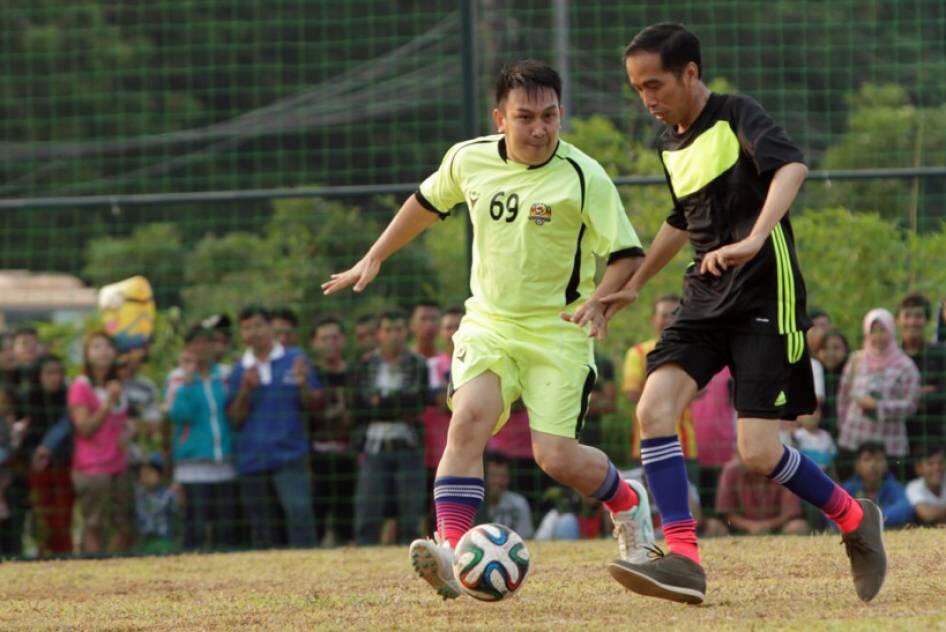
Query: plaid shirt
point(405, 404)
point(897, 391)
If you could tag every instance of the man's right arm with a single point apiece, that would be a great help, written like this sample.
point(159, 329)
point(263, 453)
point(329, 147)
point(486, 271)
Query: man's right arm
point(411, 220)
point(667, 243)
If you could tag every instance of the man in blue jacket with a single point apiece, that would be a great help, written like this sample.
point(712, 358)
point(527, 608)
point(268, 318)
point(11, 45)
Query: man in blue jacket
point(270, 390)
point(873, 481)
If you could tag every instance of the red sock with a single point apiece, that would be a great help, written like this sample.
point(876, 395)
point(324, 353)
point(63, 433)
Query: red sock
point(681, 539)
point(624, 498)
point(844, 510)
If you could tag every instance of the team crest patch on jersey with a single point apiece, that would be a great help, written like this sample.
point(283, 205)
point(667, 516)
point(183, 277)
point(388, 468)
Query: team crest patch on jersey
point(540, 213)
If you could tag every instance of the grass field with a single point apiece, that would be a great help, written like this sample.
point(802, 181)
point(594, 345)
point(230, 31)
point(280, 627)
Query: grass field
point(757, 583)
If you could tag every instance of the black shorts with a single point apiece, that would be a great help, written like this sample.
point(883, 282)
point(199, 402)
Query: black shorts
point(768, 385)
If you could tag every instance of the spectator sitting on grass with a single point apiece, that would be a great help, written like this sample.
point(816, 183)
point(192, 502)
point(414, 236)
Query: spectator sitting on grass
point(753, 503)
point(927, 494)
point(872, 480)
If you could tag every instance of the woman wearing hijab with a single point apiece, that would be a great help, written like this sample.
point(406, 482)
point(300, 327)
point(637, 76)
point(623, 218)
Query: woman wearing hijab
point(880, 388)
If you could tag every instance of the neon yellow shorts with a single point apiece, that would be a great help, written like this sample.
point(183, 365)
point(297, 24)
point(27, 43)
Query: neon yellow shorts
point(548, 362)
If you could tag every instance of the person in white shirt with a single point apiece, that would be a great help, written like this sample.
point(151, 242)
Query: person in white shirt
point(927, 493)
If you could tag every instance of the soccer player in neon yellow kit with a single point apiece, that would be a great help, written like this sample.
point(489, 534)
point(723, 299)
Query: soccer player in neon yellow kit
point(541, 210)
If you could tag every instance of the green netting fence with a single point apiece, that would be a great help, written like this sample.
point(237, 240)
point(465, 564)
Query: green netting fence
point(239, 152)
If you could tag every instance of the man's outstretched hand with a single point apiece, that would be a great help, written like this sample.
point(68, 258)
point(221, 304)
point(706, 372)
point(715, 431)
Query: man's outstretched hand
point(591, 313)
point(617, 301)
point(359, 275)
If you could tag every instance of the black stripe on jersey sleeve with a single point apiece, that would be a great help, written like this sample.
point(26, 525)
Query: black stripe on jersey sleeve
point(427, 205)
point(636, 251)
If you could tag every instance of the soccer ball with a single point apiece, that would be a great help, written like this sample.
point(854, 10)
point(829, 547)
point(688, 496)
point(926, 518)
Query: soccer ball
point(491, 562)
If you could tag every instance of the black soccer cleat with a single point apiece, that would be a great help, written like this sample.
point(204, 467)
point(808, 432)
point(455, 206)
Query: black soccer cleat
point(672, 577)
point(865, 548)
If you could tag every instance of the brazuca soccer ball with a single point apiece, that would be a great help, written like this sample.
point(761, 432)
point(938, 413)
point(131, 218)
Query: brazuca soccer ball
point(491, 562)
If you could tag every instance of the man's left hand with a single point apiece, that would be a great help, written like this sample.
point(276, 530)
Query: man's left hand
point(721, 259)
point(591, 313)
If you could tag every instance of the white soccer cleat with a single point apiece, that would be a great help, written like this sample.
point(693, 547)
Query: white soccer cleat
point(634, 528)
point(433, 562)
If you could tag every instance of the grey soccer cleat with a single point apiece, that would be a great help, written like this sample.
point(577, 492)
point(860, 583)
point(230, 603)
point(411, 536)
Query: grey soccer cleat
point(865, 548)
point(433, 562)
point(673, 577)
point(634, 528)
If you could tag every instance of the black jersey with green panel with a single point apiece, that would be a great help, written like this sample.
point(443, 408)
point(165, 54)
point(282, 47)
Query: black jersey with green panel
point(719, 171)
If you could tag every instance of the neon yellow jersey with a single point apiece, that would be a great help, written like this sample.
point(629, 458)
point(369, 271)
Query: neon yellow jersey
point(536, 230)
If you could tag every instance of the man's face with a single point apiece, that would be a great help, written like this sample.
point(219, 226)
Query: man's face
point(392, 334)
point(328, 341)
point(366, 336)
point(530, 122)
point(285, 332)
point(25, 349)
point(871, 467)
point(497, 479)
point(424, 323)
point(911, 321)
point(667, 97)
point(932, 469)
point(448, 326)
point(663, 314)
point(256, 332)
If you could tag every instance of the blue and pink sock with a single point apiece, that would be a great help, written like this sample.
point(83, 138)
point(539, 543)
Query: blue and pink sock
point(667, 478)
point(456, 499)
point(615, 493)
point(809, 482)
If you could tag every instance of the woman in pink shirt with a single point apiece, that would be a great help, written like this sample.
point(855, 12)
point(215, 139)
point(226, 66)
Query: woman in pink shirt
point(99, 413)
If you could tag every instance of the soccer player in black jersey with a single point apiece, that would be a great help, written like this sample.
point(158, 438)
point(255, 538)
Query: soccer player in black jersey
point(732, 173)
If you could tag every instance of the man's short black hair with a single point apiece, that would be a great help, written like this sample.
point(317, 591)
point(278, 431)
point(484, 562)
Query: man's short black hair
point(393, 314)
point(816, 312)
point(915, 299)
point(250, 311)
point(929, 450)
point(676, 45)
point(25, 330)
point(366, 319)
point(286, 314)
point(455, 310)
point(496, 458)
point(195, 331)
point(325, 321)
point(871, 447)
point(425, 303)
point(530, 74)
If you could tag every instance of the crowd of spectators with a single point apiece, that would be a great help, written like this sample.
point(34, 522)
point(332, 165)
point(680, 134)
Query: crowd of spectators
point(287, 441)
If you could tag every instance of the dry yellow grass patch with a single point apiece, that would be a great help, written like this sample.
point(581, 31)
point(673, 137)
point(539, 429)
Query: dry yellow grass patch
point(757, 583)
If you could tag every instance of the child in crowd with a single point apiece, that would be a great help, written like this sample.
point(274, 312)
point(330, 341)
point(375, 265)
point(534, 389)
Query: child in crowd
point(11, 438)
point(155, 508)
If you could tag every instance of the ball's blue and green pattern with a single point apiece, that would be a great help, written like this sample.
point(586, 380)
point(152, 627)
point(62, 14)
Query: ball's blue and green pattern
point(491, 562)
